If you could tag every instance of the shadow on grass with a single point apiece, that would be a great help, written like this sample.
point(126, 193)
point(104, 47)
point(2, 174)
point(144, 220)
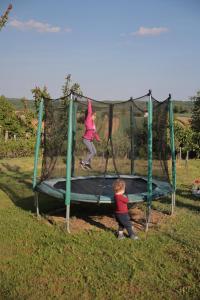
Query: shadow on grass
point(184, 199)
point(17, 185)
point(194, 205)
point(89, 212)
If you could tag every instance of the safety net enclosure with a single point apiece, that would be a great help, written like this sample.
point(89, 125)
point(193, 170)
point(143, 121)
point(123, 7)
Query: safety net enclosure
point(136, 144)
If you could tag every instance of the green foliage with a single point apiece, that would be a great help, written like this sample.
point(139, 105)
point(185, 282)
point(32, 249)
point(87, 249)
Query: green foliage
point(195, 119)
point(182, 107)
point(68, 87)
point(8, 119)
point(27, 120)
point(196, 143)
point(176, 109)
point(17, 148)
point(24, 103)
point(18, 124)
point(187, 138)
point(38, 94)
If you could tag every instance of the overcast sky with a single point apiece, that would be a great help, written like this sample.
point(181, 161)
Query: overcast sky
point(114, 49)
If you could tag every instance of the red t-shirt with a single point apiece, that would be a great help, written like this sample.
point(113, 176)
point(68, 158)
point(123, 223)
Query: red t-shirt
point(121, 204)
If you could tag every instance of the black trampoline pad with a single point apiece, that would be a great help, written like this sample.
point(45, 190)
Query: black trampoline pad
point(103, 186)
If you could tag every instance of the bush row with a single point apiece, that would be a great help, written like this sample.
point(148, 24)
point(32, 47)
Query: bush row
point(18, 148)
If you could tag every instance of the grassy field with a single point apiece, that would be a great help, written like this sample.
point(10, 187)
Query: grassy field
point(42, 261)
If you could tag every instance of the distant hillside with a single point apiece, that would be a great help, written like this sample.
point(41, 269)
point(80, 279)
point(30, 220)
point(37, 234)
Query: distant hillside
point(18, 104)
point(183, 108)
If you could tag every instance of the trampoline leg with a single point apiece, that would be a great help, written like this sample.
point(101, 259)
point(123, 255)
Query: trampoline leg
point(67, 217)
point(173, 203)
point(36, 204)
point(148, 215)
point(174, 200)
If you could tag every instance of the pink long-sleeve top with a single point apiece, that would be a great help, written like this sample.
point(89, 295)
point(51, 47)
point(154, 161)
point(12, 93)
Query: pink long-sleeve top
point(90, 128)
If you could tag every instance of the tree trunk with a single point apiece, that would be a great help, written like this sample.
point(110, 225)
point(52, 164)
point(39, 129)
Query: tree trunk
point(6, 135)
point(187, 156)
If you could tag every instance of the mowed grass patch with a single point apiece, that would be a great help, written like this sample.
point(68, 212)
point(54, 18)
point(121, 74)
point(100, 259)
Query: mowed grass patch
point(40, 261)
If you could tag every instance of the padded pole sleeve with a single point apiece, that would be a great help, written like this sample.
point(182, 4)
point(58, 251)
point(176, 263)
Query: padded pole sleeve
point(38, 141)
point(69, 153)
point(171, 124)
point(75, 105)
point(150, 141)
point(132, 136)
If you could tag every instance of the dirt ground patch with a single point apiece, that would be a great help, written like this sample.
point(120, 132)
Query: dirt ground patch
point(84, 218)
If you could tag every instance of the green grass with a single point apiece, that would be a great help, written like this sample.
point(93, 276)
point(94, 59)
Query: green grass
point(40, 261)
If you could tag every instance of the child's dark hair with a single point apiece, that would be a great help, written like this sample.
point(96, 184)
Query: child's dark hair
point(119, 185)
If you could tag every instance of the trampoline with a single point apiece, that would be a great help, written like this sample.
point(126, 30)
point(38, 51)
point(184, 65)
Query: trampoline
point(135, 146)
point(98, 189)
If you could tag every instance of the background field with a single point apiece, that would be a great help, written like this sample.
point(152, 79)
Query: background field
point(39, 260)
point(182, 107)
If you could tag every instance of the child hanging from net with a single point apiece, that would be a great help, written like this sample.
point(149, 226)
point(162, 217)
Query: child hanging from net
point(89, 135)
point(121, 210)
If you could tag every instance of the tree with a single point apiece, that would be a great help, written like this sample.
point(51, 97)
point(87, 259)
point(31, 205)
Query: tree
point(196, 143)
point(38, 94)
point(9, 121)
point(195, 118)
point(176, 109)
point(25, 104)
point(4, 17)
point(183, 138)
point(67, 88)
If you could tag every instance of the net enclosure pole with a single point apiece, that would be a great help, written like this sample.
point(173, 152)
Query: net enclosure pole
point(172, 144)
point(149, 143)
point(73, 135)
point(37, 150)
point(132, 139)
point(38, 141)
point(69, 161)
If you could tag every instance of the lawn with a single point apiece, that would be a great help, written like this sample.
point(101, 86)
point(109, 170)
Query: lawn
point(41, 261)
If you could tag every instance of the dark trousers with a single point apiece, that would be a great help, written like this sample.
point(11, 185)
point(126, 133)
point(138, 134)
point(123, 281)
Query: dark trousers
point(124, 221)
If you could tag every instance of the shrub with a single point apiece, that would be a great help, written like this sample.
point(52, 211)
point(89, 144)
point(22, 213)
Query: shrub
point(18, 148)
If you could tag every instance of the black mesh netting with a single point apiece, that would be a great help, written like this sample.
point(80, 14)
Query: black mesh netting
point(122, 127)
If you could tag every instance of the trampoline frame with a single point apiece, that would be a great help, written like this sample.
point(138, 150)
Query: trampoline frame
point(47, 187)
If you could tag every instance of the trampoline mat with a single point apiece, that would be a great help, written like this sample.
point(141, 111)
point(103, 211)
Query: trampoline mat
point(103, 186)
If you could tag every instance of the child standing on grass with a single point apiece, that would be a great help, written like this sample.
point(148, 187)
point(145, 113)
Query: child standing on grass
point(121, 210)
point(89, 135)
